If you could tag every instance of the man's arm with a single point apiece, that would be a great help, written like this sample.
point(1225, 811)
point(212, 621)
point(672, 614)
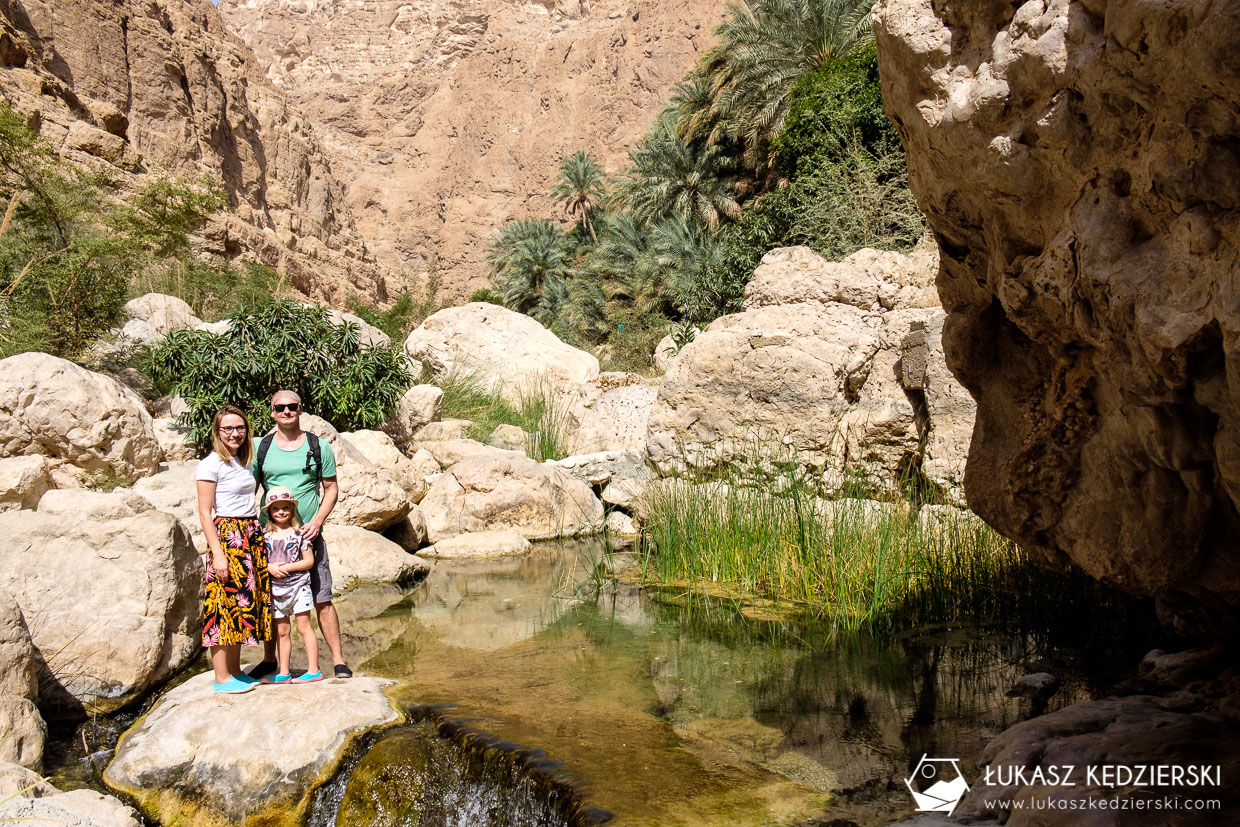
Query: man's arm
point(331, 490)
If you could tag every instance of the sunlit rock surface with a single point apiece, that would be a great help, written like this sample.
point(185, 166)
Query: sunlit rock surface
point(1077, 163)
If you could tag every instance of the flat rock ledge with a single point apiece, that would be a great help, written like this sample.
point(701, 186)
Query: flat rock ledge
point(203, 759)
point(479, 544)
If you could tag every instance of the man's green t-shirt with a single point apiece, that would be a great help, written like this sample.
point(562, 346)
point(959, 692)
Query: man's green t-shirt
point(288, 468)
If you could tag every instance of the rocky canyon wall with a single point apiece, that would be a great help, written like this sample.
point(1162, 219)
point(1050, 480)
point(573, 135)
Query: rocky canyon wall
point(1078, 162)
point(447, 118)
point(151, 86)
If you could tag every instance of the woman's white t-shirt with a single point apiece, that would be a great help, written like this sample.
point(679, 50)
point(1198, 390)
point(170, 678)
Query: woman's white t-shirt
point(234, 486)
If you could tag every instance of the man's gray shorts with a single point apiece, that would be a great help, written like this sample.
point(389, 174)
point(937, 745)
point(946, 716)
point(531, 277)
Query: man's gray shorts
point(321, 574)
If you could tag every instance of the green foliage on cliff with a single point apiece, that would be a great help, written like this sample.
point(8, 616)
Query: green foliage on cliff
point(778, 137)
point(281, 344)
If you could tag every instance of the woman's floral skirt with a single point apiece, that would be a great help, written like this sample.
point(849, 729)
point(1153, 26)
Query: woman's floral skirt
point(238, 610)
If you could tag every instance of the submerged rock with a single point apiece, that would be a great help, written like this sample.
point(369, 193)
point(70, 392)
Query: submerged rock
point(206, 759)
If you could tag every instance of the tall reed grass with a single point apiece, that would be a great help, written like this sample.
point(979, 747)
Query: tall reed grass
point(856, 562)
point(540, 413)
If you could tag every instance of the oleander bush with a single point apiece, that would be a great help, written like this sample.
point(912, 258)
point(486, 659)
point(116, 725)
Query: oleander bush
point(280, 345)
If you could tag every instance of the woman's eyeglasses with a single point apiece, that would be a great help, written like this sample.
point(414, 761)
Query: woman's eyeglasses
point(232, 429)
point(291, 406)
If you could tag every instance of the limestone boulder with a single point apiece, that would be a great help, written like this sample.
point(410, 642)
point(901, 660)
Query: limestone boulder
point(361, 556)
point(605, 467)
point(1089, 241)
point(450, 452)
point(616, 420)
point(424, 463)
point(410, 532)
point(180, 764)
point(163, 313)
point(174, 440)
point(369, 497)
point(113, 605)
point(442, 430)
point(664, 351)
point(507, 491)
point(479, 544)
point(773, 380)
point(504, 349)
point(25, 731)
point(418, 407)
point(86, 421)
point(508, 437)
point(621, 524)
point(381, 451)
point(367, 334)
point(23, 480)
point(26, 797)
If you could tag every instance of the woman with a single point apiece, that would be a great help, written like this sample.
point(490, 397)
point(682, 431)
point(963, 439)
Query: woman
point(238, 604)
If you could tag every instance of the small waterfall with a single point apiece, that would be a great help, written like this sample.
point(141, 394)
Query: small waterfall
point(437, 772)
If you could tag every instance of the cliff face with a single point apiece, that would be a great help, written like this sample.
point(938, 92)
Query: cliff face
point(154, 85)
point(448, 117)
point(1078, 162)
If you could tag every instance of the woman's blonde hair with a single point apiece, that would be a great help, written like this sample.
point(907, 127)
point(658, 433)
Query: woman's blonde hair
point(221, 450)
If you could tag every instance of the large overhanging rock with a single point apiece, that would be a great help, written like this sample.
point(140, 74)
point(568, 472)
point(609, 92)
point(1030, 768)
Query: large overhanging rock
point(206, 759)
point(1077, 162)
point(501, 348)
point(88, 424)
point(112, 595)
point(508, 491)
point(827, 367)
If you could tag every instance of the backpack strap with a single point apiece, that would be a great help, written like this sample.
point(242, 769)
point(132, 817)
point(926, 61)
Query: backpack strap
point(314, 457)
point(264, 445)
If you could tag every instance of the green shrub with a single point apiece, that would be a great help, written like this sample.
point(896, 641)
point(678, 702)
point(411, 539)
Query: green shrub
point(214, 289)
point(487, 295)
point(69, 250)
point(630, 347)
point(280, 345)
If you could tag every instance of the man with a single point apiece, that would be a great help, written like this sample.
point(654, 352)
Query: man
point(300, 461)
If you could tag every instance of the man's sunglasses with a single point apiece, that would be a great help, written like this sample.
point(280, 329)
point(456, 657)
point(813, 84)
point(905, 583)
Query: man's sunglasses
point(291, 406)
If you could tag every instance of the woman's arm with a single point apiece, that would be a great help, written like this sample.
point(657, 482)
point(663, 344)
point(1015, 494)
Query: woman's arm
point(206, 502)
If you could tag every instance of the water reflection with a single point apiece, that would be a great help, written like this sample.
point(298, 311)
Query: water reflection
point(668, 714)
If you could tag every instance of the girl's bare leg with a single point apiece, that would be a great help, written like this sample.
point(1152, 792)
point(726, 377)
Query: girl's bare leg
point(284, 643)
point(311, 640)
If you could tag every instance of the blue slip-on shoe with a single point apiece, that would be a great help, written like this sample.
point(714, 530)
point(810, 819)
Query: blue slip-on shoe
point(308, 678)
point(232, 686)
point(278, 679)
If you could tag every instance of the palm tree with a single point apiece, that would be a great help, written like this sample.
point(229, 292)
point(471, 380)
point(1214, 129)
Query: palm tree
point(670, 177)
point(529, 264)
point(764, 48)
point(579, 188)
point(692, 107)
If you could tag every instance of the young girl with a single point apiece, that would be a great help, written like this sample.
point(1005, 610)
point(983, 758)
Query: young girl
point(290, 559)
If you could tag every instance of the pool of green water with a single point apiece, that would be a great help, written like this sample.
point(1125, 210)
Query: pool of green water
point(667, 711)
